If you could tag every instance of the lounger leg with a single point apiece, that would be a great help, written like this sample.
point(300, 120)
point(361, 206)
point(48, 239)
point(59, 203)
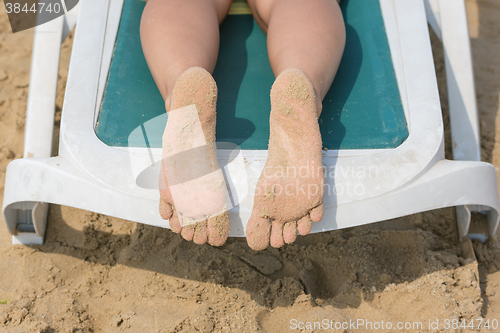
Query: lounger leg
point(463, 220)
point(448, 18)
point(461, 91)
point(31, 222)
point(30, 218)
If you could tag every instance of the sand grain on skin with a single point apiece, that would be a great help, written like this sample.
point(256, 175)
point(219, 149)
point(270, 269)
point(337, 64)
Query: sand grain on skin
point(220, 224)
point(102, 274)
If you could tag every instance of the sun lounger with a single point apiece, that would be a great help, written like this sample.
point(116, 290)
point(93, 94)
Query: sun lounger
point(381, 125)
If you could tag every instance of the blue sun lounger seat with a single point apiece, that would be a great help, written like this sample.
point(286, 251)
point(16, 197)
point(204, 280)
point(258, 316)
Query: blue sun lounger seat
point(381, 126)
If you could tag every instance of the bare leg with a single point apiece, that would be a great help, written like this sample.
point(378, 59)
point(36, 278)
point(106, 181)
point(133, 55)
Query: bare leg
point(305, 43)
point(177, 35)
point(180, 40)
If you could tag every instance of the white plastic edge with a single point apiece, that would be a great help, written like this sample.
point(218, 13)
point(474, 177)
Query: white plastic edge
point(414, 156)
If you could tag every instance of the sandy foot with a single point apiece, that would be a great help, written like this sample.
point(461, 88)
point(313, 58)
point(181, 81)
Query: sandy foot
point(192, 187)
point(289, 193)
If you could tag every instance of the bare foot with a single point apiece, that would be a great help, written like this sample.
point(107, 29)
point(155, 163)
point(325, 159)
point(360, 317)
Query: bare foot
point(289, 193)
point(192, 188)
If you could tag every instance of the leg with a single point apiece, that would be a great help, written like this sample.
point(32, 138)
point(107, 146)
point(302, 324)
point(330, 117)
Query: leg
point(305, 43)
point(180, 41)
point(177, 35)
point(308, 35)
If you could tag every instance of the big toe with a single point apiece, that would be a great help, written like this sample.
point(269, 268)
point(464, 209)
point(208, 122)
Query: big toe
point(258, 232)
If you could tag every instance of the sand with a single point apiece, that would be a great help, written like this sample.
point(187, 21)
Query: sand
point(101, 274)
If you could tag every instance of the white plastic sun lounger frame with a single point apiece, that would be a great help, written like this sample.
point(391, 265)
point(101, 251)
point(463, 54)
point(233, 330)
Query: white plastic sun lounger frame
point(385, 184)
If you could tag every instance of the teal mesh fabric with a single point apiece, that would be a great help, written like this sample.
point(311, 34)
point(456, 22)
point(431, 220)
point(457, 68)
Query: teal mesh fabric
point(362, 110)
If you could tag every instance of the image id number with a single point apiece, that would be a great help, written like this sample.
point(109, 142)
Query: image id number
point(17, 8)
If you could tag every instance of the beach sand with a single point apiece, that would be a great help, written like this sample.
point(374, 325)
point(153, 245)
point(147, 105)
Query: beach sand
point(101, 274)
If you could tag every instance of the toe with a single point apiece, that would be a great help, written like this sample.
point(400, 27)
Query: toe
point(200, 233)
point(317, 213)
point(304, 225)
point(258, 232)
point(175, 224)
point(218, 229)
point(165, 210)
point(187, 232)
point(290, 232)
point(277, 234)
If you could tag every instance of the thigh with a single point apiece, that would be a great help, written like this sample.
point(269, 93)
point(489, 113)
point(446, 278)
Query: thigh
point(261, 11)
point(221, 7)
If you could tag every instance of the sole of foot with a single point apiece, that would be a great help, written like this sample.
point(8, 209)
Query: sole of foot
point(192, 188)
point(289, 193)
